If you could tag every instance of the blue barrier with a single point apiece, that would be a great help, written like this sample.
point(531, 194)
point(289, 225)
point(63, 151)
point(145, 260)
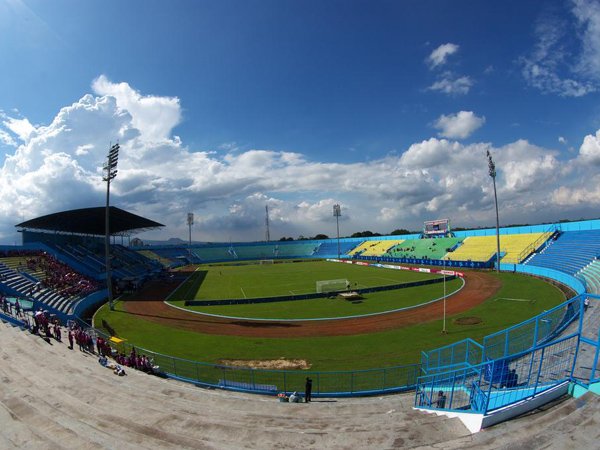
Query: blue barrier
point(12, 320)
point(429, 262)
point(500, 382)
point(568, 280)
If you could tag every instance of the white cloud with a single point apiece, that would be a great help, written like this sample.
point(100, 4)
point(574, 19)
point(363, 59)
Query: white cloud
point(155, 117)
point(587, 13)
point(458, 126)
point(452, 85)
point(7, 139)
point(562, 140)
point(21, 127)
point(57, 167)
point(589, 152)
point(557, 66)
point(440, 55)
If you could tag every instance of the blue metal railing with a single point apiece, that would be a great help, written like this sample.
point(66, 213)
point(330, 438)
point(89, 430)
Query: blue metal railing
point(500, 382)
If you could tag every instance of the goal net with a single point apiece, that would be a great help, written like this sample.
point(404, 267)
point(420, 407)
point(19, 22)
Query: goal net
point(267, 261)
point(332, 285)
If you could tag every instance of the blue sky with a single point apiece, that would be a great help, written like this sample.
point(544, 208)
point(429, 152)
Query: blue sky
point(222, 107)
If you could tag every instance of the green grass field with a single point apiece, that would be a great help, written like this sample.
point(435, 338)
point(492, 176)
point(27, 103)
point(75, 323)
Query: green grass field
point(219, 282)
point(271, 280)
point(384, 349)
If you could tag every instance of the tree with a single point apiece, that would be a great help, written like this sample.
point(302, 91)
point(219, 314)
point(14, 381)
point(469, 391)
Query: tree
point(400, 231)
point(365, 234)
point(321, 236)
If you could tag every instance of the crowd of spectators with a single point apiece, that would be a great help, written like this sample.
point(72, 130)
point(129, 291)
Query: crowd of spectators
point(136, 361)
point(48, 326)
point(61, 277)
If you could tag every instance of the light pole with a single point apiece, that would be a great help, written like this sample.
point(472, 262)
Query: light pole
point(337, 212)
point(110, 172)
point(190, 222)
point(444, 331)
point(492, 172)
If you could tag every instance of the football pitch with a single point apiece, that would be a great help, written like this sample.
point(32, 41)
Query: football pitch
point(272, 280)
point(293, 278)
point(361, 351)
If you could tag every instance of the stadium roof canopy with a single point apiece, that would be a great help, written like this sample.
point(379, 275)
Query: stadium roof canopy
point(91, 221)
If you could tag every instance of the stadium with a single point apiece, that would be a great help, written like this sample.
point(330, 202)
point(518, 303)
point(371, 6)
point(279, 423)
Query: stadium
point(452, 331)
point(277, 224)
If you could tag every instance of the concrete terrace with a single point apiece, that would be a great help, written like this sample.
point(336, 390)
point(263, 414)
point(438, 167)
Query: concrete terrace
point(55, 398)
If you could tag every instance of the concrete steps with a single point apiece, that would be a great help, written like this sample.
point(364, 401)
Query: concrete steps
point(53, 397)
point(567, 423)
point(78, 403)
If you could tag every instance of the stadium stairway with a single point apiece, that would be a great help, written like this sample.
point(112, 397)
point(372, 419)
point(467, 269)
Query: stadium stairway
point(567, 423)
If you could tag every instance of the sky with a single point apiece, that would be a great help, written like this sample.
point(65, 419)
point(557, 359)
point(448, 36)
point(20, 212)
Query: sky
point(222, 108)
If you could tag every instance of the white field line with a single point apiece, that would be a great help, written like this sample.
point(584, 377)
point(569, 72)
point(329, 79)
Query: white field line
point(515, 299)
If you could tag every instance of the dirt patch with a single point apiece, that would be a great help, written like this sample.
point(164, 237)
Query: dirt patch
point(279, 364)
point(467, 320)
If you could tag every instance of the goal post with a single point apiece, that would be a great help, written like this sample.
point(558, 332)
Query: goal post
point(267, 261)
point(332, 285)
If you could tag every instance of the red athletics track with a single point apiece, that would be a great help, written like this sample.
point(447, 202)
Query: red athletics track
point(148, 304)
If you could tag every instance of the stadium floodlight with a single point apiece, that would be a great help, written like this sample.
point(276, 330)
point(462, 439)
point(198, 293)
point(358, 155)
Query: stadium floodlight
point(492, 172)
point(337, 212)
point(444, 331)
point(109, 173)
point(190, 222)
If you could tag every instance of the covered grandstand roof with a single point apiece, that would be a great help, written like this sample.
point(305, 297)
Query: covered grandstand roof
point(91, 221)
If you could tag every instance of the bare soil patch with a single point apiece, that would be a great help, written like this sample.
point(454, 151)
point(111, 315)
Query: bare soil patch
point(468, 320)
point(279, 364)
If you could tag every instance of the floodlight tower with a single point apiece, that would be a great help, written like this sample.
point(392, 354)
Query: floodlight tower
point(492, 172)
point(267, 231)
point(337, 212)
point(109, 173)
point(444, 331)
point(190, 222)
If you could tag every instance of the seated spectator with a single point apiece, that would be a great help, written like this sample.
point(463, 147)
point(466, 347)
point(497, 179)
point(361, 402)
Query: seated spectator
point(441, 400)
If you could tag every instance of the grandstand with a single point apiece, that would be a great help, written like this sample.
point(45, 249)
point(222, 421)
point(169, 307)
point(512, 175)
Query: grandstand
point(378, 248)
point(429, 248)
point(165, 262)
point(483, 248)
point(474, 248)
point(374, 247)
point(516, 247)
point(591, 275)
point(172, 256)
point(57, 286)
point(570, 252)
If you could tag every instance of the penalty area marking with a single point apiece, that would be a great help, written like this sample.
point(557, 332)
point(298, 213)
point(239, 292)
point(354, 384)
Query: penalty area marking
point(243, 293)
point(516, 299)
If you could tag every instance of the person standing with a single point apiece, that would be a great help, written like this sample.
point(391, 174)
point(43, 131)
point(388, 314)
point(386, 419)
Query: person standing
point(308, 390)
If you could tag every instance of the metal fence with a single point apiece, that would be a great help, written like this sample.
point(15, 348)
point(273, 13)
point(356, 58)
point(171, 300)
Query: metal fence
point(516, 339)
point(500, 382)
point(459, 354)
point(261, 381)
